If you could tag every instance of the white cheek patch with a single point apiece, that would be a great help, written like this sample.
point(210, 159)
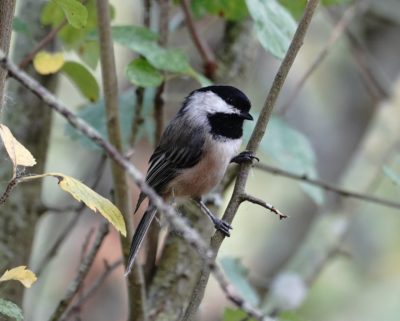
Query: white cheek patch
point(209, 103)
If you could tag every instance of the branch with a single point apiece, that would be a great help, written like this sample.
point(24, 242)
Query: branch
point(6, 18)
point(93, 289)
point(153, 233)
point(82, 272)
point(364, 63)
point(179, 223)
point(253, 144)
point(328, 187)
point(52, 252)
point(337, 31)
point(258, 201)
point(210, 64)
point(41, 44)
point(331, 225)
point(120, 184)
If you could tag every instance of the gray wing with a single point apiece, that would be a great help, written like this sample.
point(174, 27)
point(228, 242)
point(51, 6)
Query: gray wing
point(180, 147)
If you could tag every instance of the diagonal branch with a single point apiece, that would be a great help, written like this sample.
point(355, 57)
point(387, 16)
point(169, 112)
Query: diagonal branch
point(109, 268)
point(255, 139)
point(188, 233)
point(210, 64)
point(83, 271)
point(337, 31)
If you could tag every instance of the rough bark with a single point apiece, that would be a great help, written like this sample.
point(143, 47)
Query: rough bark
point(31, 126)
point(6, 18)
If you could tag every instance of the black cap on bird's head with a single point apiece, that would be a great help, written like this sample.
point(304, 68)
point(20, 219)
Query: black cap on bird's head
point(232, 96)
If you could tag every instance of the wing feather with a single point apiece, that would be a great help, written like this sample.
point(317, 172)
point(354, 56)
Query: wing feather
point(180, 147)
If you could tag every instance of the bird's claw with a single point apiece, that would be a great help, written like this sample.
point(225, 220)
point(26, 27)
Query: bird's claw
point(244, 157)
point(223, 227)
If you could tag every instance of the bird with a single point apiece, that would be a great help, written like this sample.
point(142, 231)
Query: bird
point(194, 152)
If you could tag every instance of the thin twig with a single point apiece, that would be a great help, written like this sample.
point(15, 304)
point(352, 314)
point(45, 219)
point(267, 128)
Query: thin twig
point(179, 223)
point(337, 31)
point(83, 271)
point(210, 63)
point(109, 268)
point(253, 144)
point(53, 251)
point(10, 186)
point(258, 201)
point(364, 63)
point(328, 187)
point(41, 44)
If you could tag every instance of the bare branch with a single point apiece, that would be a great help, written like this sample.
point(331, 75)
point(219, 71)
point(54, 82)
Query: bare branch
point(210, 64)
point(93, 288)
point(52, 252)
point(253, 144)
point(328, 187)
point(121, 187)
point(337, 31)
point(258, 201)
point(365, 64)
point(42, 44)
point(179, 223)
point(10, 186)
point(6, 18)
point(82, 272)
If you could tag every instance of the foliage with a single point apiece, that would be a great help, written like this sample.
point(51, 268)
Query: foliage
point(21, 274)
point(238, 275)
point(11, 310)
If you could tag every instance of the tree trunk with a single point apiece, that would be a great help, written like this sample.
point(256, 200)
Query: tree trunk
point(30, 123)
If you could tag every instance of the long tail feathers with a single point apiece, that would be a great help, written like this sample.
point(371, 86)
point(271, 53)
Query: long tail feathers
point(139, 235)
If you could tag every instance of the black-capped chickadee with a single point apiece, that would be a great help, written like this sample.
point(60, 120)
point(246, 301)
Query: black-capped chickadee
point(195, 151)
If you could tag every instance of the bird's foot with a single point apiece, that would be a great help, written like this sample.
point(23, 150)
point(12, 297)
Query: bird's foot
point(245, 157)
point(223, 227)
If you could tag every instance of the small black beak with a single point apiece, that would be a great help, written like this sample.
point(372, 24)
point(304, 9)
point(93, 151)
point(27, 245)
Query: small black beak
point(246, 115)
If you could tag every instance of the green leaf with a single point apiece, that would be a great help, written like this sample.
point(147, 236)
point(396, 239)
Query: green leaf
point(143, 41)
point(95, 115)
point(82, 79)
point(274, 25)
point(235, 315)
point(20, 26)
point(141, 73)
point(51, 14)
point(133, 37)
point(334, 2)
point(173, 60)
point(290, 316)
point(75, 12)
point(89, 52)
point(237, 274)
point(10, 310)
point(292, 151)
point(394, 177)
point(230, 10)
point(296, 7)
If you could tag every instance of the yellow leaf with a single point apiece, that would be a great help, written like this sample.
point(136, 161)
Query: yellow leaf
point(18, 153)
point(48, 63)
point(94, 201)
point(21, 274)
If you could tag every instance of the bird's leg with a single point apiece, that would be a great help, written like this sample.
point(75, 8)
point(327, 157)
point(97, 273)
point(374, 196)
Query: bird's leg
point(219, 224)
point(244, 157)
